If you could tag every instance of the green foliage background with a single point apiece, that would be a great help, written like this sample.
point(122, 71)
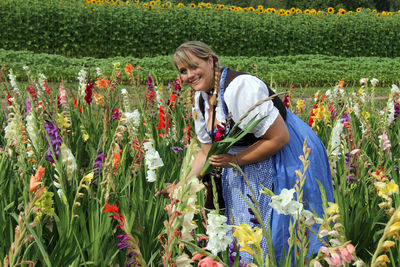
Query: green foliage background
point(301, 70)
point(107, 30)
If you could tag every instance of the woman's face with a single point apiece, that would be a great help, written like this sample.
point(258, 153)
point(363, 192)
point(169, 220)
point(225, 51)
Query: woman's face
point(200, 76)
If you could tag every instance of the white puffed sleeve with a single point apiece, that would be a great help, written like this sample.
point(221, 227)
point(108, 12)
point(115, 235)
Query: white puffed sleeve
point(200, 124)
point(242, 93)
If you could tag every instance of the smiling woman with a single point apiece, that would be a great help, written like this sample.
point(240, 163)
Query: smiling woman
point(268, 154)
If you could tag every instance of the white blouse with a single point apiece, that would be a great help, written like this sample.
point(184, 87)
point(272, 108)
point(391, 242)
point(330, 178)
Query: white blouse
point(241, 94)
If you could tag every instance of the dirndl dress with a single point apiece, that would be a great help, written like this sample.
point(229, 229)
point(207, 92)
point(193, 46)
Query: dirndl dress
point(276, 173)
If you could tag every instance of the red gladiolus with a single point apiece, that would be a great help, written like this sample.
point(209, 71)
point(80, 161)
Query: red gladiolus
point(163, 122)
point(150, 96)
point(89, 92)
point(110, 208)
point(8, 99)
point(220, 134)
point(32, 92)
point(187, 134)
point(286, 100)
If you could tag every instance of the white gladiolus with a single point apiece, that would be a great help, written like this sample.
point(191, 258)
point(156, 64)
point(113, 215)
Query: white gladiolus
point(13, 81)
point(390, 112)
point(152, 160)
point(335, 138)
point(217, 232)
point(68, 160)
point(82, 81)
point(374, 81)
point(98, 72)
point(11, 131)
point(42, 80)
point(395, 89)
point(284, 204)
point(131, 118)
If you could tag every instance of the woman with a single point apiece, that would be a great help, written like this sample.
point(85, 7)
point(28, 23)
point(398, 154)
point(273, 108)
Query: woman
point(268, 156)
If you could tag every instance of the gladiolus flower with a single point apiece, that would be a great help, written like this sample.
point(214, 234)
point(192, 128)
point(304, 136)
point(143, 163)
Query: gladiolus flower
point(208, 262)
point(89, 92)
point(128, 69)
point(36, 179)
point(103, 83)
point(382, 260)
point(110, 208)
point(332, 209)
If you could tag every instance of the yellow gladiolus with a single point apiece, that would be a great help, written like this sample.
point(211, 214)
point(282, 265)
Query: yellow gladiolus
point(249, 239)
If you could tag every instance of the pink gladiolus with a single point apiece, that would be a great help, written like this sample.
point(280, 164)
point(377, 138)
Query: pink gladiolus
point(334, 259)
point(386, 143)
point(63, 97)
point(208, 262)
point(346, 255)
point(324, 250)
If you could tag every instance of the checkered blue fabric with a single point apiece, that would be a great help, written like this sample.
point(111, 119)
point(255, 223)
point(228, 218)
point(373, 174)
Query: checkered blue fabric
point(234, 184)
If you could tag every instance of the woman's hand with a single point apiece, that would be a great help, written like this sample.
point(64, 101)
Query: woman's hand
point(223, 160)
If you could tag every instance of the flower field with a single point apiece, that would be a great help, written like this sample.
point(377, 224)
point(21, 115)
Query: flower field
point(83, 173)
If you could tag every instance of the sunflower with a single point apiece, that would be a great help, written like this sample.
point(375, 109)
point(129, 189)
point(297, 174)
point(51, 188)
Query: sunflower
point(168, 4)
point(293, 10)
point(398, 12)
point(251, 8)
point(287, 13)
point(180, 5)
point(313, 11)
point(232, 8)
point(282, 11)
point(384, 13)
point(152, 3)
point(299, 11)
point(358, 10)
point(273, 10)
point(192, 5)
point(390, 14)
point(307, 11)
point(331, 10)
point(260, 7)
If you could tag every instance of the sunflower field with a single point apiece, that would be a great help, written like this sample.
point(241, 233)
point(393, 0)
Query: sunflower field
point(102, 28)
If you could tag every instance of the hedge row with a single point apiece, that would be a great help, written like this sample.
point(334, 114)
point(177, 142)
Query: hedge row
point(301, 70)
point(110, 30)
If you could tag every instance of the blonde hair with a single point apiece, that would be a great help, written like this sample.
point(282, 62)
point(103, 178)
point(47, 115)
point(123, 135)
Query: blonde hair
point(196, 48)
point(200, 50)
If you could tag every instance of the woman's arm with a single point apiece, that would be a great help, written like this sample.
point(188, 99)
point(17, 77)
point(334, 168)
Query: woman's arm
point(199, 161)
point(276, 137)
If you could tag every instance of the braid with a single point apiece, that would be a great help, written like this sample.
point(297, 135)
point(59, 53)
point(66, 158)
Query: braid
point(192, 104)
point(217, 78)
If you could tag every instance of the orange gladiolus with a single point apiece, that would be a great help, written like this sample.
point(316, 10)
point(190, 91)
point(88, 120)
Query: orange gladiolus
point(128, 69)
point(36, 179)
point(103, 83)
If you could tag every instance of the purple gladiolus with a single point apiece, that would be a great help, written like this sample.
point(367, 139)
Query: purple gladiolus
point(150, 83)
point(177, 149)
point(98, 164)
point(130, 254)
point(123, 245)
point(123, 238)
point(55, 140)
point(129, 263)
